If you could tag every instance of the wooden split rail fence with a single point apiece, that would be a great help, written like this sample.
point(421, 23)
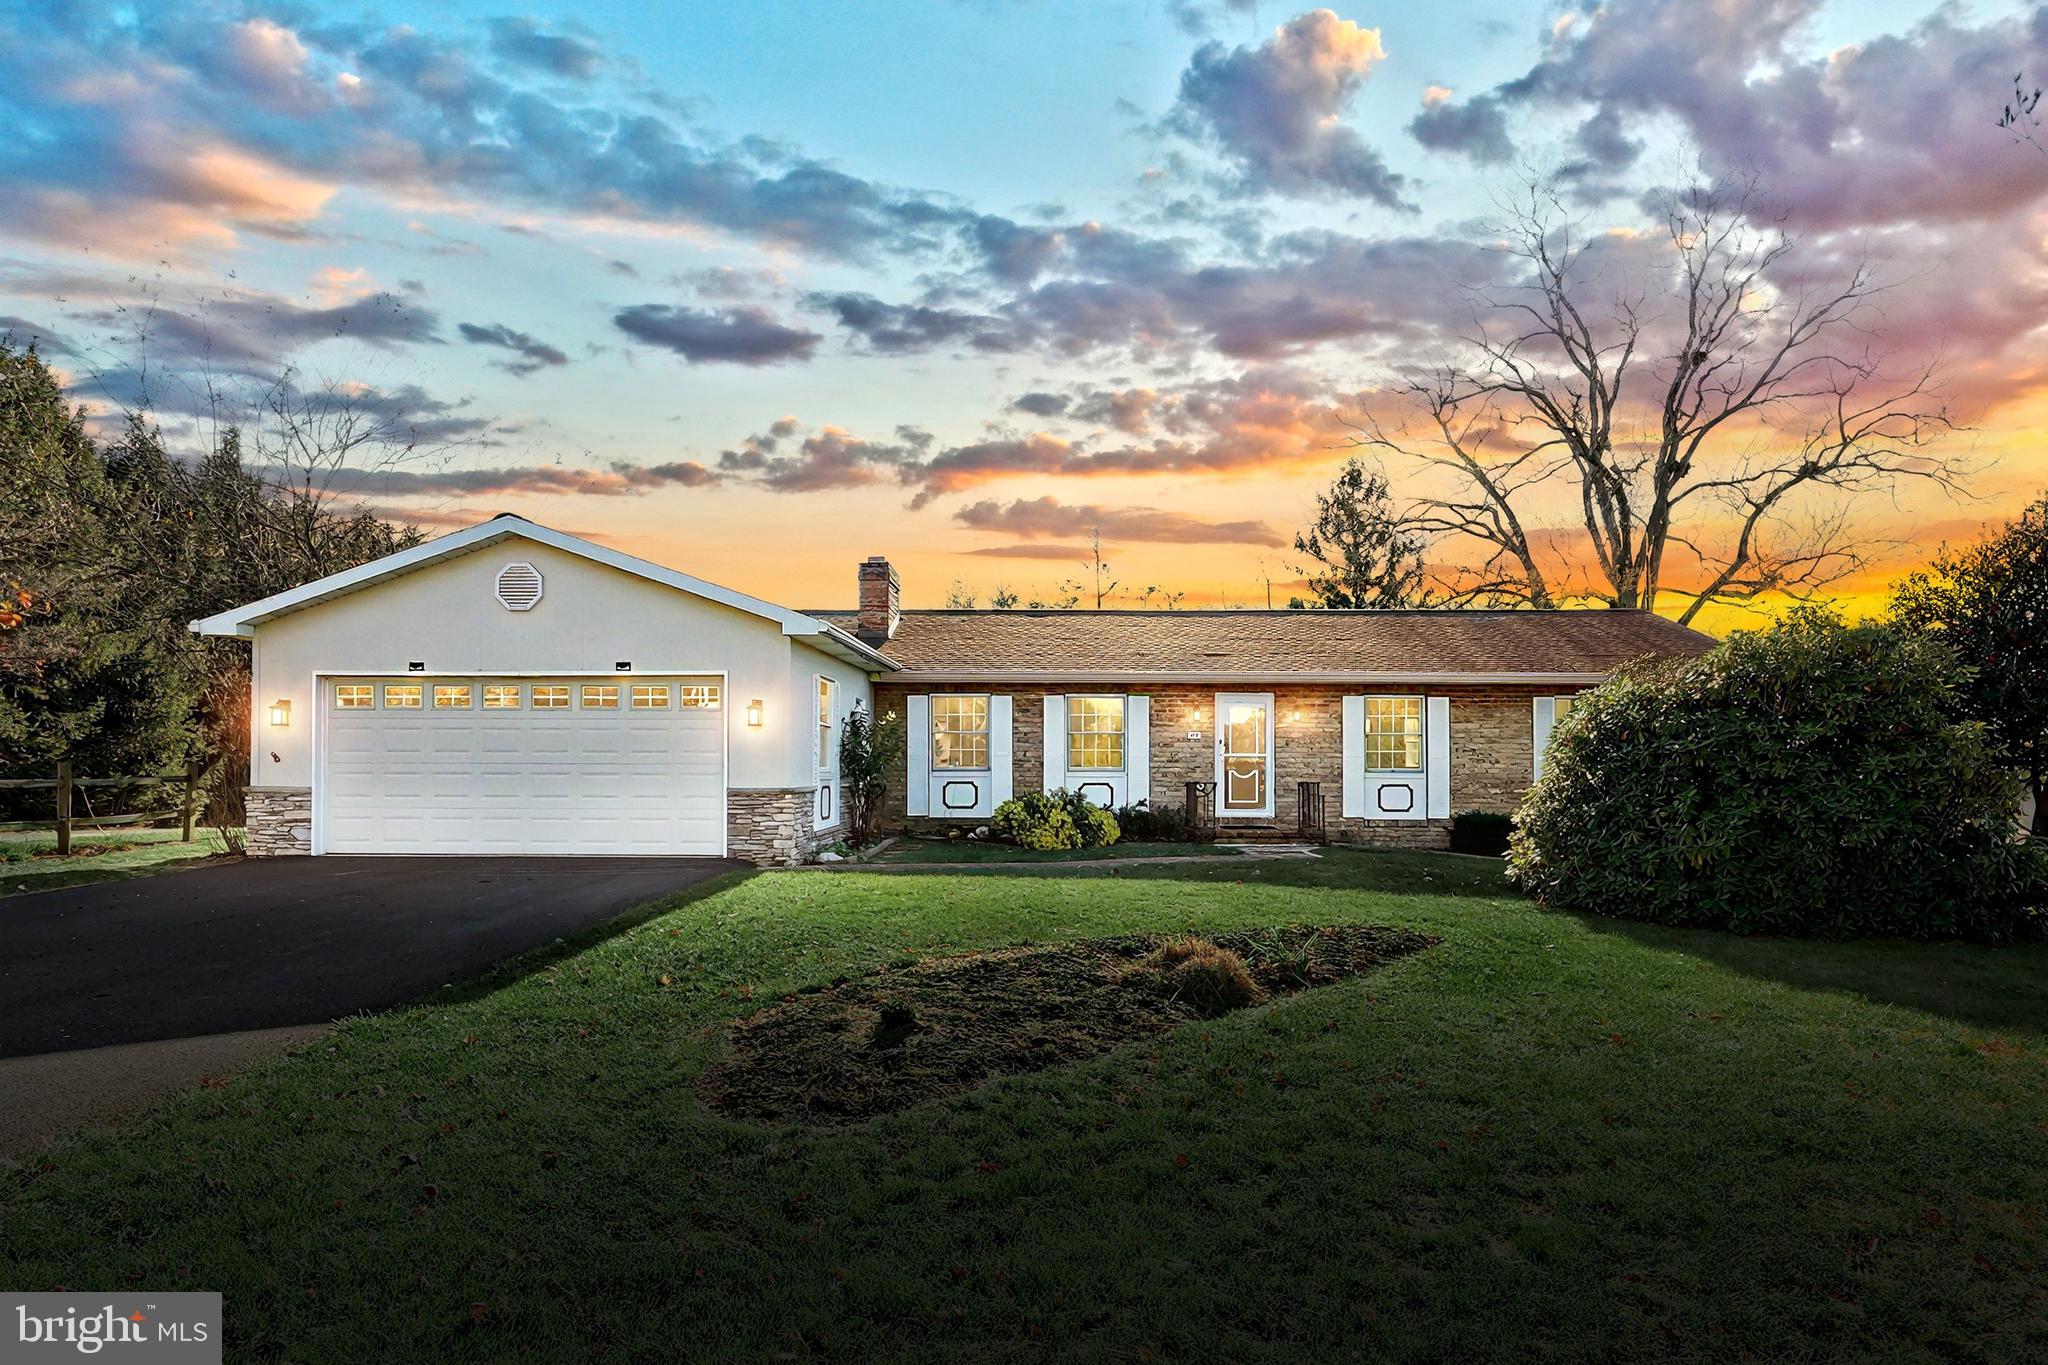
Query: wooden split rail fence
point(65, 783)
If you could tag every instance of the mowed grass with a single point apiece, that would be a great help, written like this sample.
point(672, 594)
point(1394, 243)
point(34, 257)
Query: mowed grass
point(988, 851)
point(29, 861)
point(1545, 1138)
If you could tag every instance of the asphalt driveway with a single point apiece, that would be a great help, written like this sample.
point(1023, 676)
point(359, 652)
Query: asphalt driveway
point(274, 941)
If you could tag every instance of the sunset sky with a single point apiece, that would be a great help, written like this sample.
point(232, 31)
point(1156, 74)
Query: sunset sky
point(757, 290)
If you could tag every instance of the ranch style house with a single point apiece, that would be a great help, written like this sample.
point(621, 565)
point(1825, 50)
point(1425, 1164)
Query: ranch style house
point(511, 689)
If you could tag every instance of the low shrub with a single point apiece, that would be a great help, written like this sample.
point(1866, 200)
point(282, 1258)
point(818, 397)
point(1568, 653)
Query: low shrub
point(1054, 820)
point(1484, 832)
point(1206, 978)
point(1143, 822)
point(1806, 779)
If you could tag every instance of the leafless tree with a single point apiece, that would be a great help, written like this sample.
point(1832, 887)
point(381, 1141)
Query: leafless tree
point(1695, 425)
point(2020, 118)
point(1098, 569)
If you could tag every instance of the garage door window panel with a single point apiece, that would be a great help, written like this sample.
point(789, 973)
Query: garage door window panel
point(355, 697)
point(403, 696)
point(694, 697)
point(452, 696)
point(600, 697)
point(548, 697)
point(501, 697)
point(650, 696)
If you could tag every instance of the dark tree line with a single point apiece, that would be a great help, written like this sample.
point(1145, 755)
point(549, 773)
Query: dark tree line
point(108, 551)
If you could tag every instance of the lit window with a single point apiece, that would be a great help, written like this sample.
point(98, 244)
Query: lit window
point(600, 696)
point(403, 696)
point(1393, 734)
point(650, 696)
point(355, 697)
point(451, 696)
point(501, 697)
point(694, 696)
point(1095, 733)
point(550, 697)
point(1561, 707)
point(827, 760)
point(960, 732)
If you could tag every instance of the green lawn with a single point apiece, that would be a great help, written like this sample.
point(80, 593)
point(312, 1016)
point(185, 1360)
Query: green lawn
point(988, 851)
point(28, 860)
point(1544, 1138)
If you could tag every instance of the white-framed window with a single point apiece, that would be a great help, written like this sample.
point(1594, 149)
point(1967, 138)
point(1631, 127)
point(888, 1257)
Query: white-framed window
point(828, 757)
point(600, 696)
point(697, 696)
point(551, 697)
point(404, 696)
point(355, 697)
point(453, 696)
point(501, 696)
point(960, 732)
point(650, 696)
point(1095, 733)
point(1393, 734)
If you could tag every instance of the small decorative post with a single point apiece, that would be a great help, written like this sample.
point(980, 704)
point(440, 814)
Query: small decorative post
point(63, 807)
point(190, 808)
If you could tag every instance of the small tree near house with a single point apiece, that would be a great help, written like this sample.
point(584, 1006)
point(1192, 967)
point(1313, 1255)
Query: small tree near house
point(868, 749)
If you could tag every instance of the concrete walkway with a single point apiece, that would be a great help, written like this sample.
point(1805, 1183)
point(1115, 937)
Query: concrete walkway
point(1265, 853)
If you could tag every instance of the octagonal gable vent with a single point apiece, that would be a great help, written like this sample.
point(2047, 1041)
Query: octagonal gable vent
point(518, 587)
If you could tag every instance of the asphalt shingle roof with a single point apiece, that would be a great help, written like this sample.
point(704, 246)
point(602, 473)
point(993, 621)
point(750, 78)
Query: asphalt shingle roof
point(1280, 643)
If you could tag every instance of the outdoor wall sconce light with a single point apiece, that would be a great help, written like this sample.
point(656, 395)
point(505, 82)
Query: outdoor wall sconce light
point(754, 713)
point(280, 712)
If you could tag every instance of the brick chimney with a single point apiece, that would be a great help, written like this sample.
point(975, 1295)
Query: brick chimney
point(881, 599)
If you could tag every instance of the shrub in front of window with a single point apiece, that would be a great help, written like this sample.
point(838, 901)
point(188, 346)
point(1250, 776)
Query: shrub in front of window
point(1036, 820)
point(1143, 822)
point(1806, 779)
point(1484, 832)
point(1052, 820)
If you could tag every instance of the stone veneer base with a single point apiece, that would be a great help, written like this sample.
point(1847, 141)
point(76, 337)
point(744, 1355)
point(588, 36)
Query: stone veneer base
point(770, 828)
point(279, 822)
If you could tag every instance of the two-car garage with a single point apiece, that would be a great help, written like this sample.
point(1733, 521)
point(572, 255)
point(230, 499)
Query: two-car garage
point(573, 765)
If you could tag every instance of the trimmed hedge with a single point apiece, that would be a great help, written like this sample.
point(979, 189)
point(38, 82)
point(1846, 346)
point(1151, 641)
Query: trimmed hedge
point(1805, 779)
point(1484, 832)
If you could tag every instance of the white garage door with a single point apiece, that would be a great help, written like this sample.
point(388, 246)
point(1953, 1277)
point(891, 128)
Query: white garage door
point(572, 766)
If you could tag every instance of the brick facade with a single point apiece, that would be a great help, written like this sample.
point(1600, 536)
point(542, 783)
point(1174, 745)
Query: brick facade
point(279, 821)
point(1492, 752)
point(772, 827)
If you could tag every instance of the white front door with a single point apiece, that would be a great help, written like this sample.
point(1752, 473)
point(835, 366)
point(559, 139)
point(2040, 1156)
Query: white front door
point(1244, 753)
point(623, 764)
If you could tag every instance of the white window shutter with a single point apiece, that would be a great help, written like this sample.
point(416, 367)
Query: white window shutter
point(1001, 740)
point(917, 747)
point(1138, 749)
point(1055, 741)
point(1545, 717)
point(1437, 738)
point(1354, 758)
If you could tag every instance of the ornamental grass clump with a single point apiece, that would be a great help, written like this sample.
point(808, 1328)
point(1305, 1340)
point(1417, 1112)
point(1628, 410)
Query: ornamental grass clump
point(1206, 978)
point(1805, 779)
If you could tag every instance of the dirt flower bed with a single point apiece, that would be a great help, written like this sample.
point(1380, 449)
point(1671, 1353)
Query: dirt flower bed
point(900, 1037)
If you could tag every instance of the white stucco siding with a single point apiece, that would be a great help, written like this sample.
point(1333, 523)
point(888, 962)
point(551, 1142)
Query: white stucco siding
point(589, 617)
point(849, 687)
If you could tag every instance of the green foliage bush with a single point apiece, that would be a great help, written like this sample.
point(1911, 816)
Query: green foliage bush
point(1806, 779)
point(1145, 823)
point(1054, 820)
point(1484, 832)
